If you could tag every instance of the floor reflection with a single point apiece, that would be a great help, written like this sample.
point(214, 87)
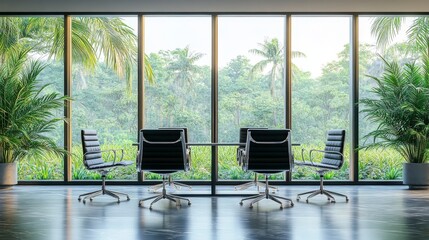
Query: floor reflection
point(53, 212)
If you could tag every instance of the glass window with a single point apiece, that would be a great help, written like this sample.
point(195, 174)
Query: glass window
point(44, 35)
point(179, 51)
point(104, 55)
point(377, 40)
point(251, 82)
point(320, 86)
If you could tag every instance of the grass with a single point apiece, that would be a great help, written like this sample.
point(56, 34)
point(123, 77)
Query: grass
point(373, 165)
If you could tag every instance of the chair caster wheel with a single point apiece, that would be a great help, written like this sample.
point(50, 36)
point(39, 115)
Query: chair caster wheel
point(150, 208)
point(281, 207)
point(90, 199)
point(84, 201)
point(140, 204)
point(251, 206)
point(79, 199)
point(347, 200)
point(189, 203)
point(306, 200)
point(291, 204)
point(297, 199)
point(128, 198)
point(241, 203)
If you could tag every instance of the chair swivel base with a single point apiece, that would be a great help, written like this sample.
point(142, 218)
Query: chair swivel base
point(103, 191)
point(94, 194)
point(321, 191)
point(164, 195)
point(267, 195)
point(170, 183)
point(255, 183)
point(327, 193)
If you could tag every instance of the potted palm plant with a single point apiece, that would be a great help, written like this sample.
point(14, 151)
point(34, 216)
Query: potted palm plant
point(400, 107)
point(26, 113)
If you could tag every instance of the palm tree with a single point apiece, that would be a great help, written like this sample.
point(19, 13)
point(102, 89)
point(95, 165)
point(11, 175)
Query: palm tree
point(400, 108)
point(93, 38)
point(26, 112)
point(385, 29)
point(273, 57)
point(183, 65)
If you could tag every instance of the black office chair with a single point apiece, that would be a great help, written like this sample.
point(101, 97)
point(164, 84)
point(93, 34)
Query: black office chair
point(93, 160)
point(240, 154)
point(170, 182)
point(333, 159)
point(267, 152)
point(163, 151)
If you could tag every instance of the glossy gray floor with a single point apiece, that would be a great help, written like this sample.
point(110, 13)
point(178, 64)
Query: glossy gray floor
point(373, 212)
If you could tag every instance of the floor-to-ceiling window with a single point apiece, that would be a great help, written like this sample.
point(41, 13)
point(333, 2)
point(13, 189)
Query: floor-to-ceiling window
point(178, 49)
point(104, 92)
point(391, 38)
point(251, 53)
point(42, 36)
point(251, 83)
point(321, 77)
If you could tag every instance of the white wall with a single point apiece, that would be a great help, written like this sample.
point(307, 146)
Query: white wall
point(186, 6)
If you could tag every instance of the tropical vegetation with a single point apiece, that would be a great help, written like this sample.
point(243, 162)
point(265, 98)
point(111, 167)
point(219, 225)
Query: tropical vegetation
point(251, 93)
point(27, 112)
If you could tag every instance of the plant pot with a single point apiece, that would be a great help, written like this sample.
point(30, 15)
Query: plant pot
point(8, 174)
point(416, 175)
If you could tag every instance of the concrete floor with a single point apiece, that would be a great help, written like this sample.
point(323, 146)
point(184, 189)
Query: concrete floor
point(373, 212)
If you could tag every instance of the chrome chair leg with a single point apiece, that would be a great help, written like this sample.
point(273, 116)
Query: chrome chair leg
point(175, 184)
point(267, 195)
point(119, 193)
point(164, 195)
point(103, 191)
point(255, 183)
point(86, 194)
point(321, 191)
point(155, 187)
point(338, 194)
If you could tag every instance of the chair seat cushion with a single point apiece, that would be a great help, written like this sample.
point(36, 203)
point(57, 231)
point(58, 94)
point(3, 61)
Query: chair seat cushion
point(162, 172)
point(110, 164)
point(317, 165)
point(268, 171)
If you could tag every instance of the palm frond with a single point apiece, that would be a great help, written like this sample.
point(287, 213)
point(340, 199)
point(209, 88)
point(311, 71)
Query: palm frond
point(385, 29)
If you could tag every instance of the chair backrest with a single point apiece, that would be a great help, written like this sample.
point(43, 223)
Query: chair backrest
point(185, 131)
point(162, 150)
point(91, 147)
point(243, 134)
point(334, 143)
point(268, 150)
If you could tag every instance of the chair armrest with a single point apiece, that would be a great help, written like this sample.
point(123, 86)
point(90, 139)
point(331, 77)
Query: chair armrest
point(109, 151)
point(301, 161)
point(188, 156)
point(244, 160)
point(322, 151)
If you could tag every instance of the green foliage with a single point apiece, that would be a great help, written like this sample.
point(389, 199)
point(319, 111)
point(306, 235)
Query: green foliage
point(400, 109)
point(26, 112)
point(373, 165)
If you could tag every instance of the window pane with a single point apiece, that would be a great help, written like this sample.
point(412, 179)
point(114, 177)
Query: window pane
point(378, 164)
point(179, 51)
point(104, 89)
point(41, 34)
point(251, 82)
point(320, 86)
